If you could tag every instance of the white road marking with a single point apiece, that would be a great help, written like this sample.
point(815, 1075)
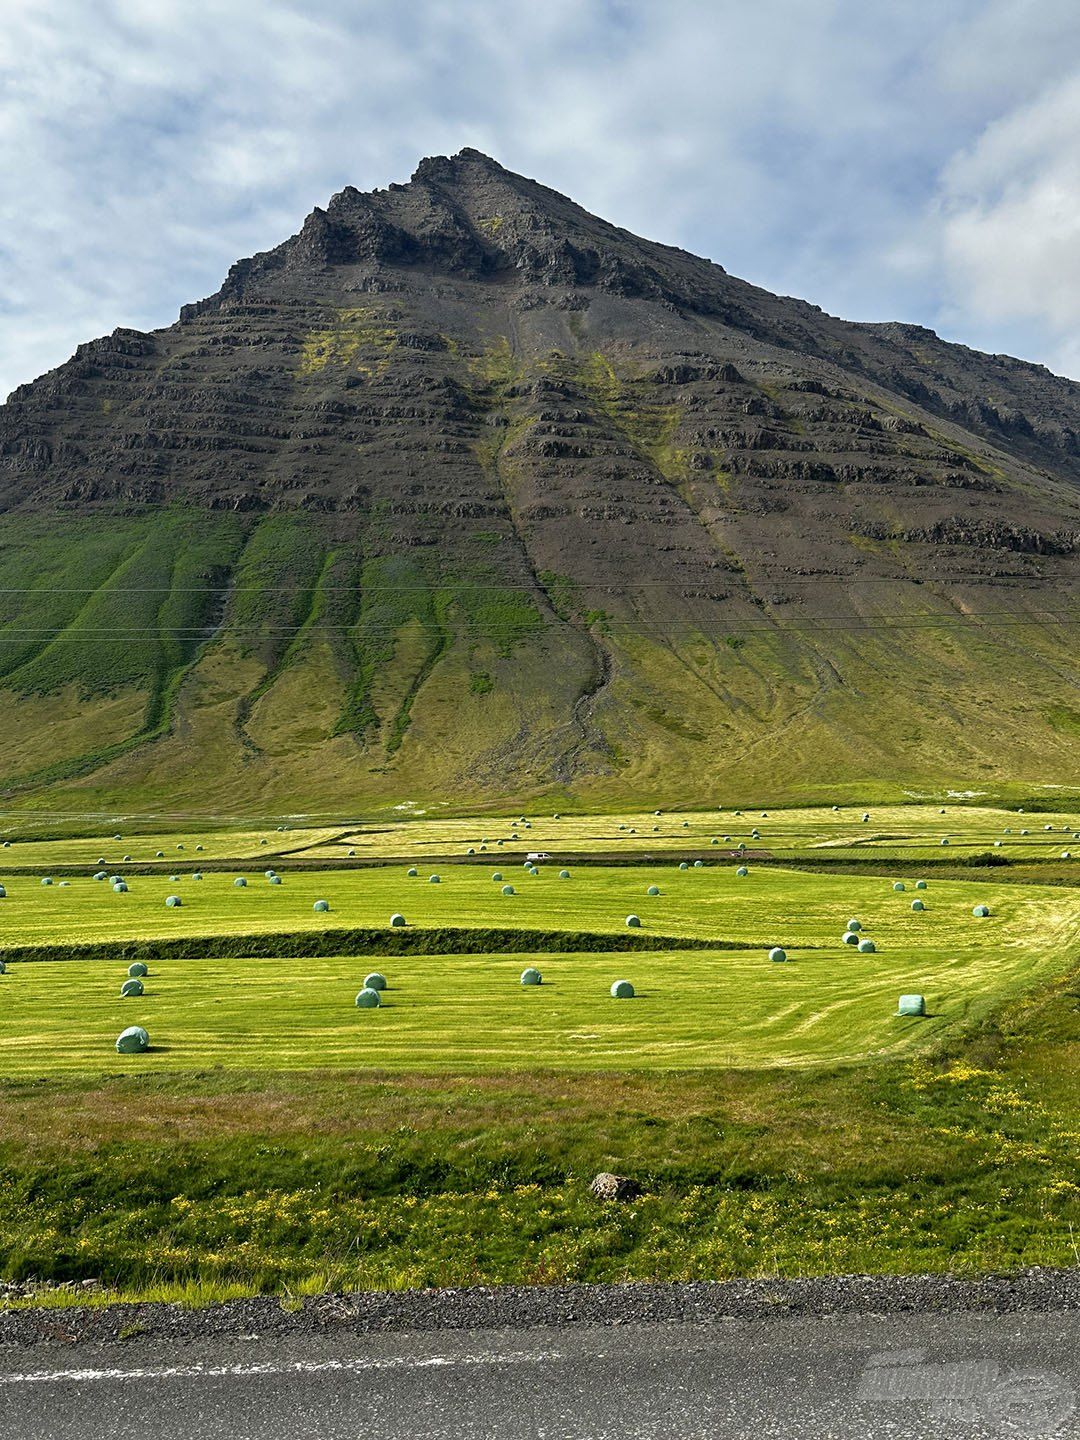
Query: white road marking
point(272, 1368)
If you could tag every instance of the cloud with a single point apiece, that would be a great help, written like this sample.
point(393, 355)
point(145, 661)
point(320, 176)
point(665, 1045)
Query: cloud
point(871, 158)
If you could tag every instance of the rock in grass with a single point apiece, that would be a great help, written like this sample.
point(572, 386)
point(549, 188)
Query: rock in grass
point(633, 922)
point(132, 1041)
point(397, 920)
point(375, 981)
point(321, 907)
point(173, 902)
point(778, 954)
point(981, 911)
point(131, 987)
point(531, 976)
point(622, 990)
point(607, 1186)
point(912, 1005)
point(136, 970)
point(368, 999)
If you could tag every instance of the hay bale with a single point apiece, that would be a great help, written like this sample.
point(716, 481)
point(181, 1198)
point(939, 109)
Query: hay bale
point(132, 1041)
point(497, 876)
point(698, 864)
point(159, 855)
point(136, 970)
point(867, 946)
point(412, 872)
point(199, 847)
point(912, 1005)
point(127, 859)
point(3, 968)
point(917, 905)
point(531, 976)
point(368, 999)
point(742, 872)
point(981, 911)
point(3, 893)
point(633, 922)
point(564, 874)
point(240, 883)
point(274, 879)
point(920, 884)
point(321, 907)
point(854, 924)
point(101, 875)
point(434, 880)
point(46, 880)
point(196, 875)
point(683, 865)
point(131, 987)
point(375, 981)
point(944, 842)
point(65, 884)
point(173, 902)
point(899, 887)
point(850, 938)
point(120, 888)
point(622, 990)
point(653, 890)
point(533, 870)
point(508, 890)
point(778, 954)
point(269, 874)
point(714, 841)
point(397, 921)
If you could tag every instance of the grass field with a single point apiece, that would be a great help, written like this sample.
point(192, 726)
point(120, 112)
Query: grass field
point(780, 1117)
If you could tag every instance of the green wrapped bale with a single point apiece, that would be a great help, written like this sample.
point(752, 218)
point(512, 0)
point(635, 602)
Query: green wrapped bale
point(899, 887)
point(854, 924)
point(131, 987)
point(564, 874)
point(508, 890)
point(240, 883)
point(912, 1005)
point(920, 884)
point(136, 970)
point(46, 880)
point(867, 946)
point(981, 911)
point(622, 990)
point(274, 880)
point(633, 922)
point(778, 954)
point(434, 880)
point(120, 888)
point(531, 976)
point(850, 938)
point(3, 968)
point(132, 1041)
point(321, 907)
point(742, 872)
point(173, 902)
point(412, 872)
point(653, 890)
point(375, 981)
point(397, 921)
point(683, 865)
point(368, 999)
point(917, 905)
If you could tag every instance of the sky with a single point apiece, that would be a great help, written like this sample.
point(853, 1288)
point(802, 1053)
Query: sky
point(885, 159)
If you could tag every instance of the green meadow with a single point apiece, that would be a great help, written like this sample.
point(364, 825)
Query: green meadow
point(780, 1117)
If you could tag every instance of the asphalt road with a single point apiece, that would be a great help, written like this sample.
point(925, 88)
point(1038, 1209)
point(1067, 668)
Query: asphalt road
point(793, 1377)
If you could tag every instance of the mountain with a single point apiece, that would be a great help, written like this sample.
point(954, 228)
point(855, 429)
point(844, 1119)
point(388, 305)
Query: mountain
point(464, 496)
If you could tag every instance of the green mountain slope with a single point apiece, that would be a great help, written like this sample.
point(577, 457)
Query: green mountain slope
point(462, 496)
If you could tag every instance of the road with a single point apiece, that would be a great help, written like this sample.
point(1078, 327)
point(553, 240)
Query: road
point(795, 1377)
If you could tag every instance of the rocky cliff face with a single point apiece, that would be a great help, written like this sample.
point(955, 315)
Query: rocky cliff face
point(462, 491)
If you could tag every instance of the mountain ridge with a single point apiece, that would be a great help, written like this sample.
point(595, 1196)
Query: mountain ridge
point(463, 490)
